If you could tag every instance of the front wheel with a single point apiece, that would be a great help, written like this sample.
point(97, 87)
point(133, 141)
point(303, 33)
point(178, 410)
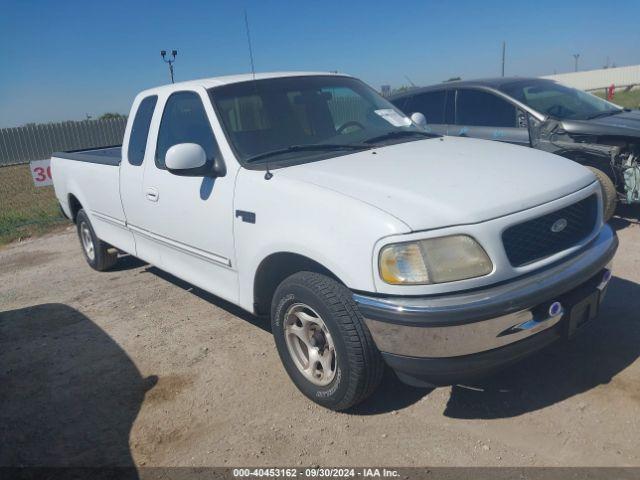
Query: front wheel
point(609, 194)
point(323, 342)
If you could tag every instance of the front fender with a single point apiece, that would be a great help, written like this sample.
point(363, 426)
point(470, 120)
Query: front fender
point(336, 231)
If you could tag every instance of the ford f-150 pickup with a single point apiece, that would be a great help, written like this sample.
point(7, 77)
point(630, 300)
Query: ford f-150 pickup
point(367, 240)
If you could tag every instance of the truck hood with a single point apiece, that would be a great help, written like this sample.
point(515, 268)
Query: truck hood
point(625, 123)
point(439, 182)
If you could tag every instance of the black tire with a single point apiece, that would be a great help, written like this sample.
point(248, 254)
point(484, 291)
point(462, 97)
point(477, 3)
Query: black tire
point(358, 363)
point(609, 194)
point(103, 259)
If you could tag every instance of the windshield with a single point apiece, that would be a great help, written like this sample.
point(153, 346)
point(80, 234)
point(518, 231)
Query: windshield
point(559, 101)
point(307, 118)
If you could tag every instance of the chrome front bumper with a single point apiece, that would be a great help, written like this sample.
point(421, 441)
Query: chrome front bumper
point(463, 324)
point(453, 341)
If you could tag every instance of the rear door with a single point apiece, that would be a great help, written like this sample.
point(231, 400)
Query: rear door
point(483, 114)
point(136, 152)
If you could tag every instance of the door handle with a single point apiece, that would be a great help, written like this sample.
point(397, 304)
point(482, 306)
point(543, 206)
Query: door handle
point(152, 194)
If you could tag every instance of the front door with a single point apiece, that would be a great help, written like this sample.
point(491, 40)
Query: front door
point(432, 105)
point(186, 222)
point(482, 114)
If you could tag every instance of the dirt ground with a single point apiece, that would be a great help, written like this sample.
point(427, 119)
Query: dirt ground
point(135, 367)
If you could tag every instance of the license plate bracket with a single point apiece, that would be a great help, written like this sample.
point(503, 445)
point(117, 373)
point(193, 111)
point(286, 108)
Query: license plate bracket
point(583, 312)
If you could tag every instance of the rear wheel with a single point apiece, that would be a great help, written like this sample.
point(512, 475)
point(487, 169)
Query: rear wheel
point(98, 254)
point(609, 194)
point(323, 342)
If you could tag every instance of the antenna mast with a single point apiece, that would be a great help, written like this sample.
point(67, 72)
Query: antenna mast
point(267, 175)
point(246, 24)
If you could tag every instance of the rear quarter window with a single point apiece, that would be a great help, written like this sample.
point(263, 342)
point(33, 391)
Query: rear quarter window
point(140, 130)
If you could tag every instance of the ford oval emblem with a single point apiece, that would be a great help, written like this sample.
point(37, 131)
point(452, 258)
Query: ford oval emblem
point(559, 225)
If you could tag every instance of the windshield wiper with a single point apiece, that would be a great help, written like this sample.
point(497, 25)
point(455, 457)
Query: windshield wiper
point(605, 114)
point(318, 147)
point(398, 134)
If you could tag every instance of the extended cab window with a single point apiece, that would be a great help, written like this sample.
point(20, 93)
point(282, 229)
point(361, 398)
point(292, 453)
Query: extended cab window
point(184, 120)
point(430, 104)
point(140, 130)
point(484, 109)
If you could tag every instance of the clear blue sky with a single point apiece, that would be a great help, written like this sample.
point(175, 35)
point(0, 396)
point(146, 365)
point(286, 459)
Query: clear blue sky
point(67, 58)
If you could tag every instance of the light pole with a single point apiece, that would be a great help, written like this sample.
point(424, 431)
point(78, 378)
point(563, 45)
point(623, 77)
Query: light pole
point(170, 61)
point(504, 50)
point(576, 56)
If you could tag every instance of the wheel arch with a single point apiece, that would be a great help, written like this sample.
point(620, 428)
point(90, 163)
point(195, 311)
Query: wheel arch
point(274, 268)
point(590, 159)
point(74, 207)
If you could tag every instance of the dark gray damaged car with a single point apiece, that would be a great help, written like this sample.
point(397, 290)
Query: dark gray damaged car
point(542, 114)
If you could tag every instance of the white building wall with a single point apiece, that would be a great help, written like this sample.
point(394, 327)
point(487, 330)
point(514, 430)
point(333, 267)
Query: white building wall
point(598, 79)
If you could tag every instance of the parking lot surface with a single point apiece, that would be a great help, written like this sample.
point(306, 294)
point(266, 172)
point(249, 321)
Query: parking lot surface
point(135, 367)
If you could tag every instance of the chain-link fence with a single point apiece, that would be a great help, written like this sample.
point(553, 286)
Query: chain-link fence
point(38, 142)
point(24, 208)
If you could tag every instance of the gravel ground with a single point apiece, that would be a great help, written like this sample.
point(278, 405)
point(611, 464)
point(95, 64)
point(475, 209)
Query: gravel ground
point(135, 367)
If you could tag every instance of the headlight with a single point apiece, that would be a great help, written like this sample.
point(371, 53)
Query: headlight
point(435, 260)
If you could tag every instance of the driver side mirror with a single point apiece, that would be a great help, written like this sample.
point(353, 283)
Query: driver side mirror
point(419, 119)
point(190, 159)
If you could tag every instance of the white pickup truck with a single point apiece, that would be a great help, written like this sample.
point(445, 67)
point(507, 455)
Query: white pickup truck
point(309, 198)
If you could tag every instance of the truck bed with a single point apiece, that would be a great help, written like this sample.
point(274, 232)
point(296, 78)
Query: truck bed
point(91, 178)
point(104, 156)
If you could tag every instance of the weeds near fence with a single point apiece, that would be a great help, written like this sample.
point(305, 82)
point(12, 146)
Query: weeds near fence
point(25, 210)
point(630, 99)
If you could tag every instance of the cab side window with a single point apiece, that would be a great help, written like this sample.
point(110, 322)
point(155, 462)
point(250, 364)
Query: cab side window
point(430, 104)
point(140, 130)
point(484, 109)
point(184, 120)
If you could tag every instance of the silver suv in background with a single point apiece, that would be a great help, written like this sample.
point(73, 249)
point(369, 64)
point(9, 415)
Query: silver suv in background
point(542, 114)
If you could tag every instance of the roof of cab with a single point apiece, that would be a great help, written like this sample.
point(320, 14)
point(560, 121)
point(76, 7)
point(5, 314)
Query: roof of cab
point(212, 82)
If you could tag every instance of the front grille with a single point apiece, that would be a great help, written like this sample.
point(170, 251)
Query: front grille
point(535, 239)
